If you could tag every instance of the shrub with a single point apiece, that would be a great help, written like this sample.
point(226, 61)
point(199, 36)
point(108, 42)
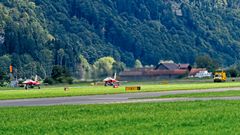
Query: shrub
point(232, 72)
point(49, 80)
point(69, 80)
point(64, 79)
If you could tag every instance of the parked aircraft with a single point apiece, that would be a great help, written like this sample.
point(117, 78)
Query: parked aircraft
point(109, 81)
point(30, 83)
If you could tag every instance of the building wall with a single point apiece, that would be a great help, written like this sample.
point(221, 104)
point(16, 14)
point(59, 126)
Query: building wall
point(147, 78)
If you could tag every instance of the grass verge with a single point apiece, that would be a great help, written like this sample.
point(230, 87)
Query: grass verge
point(208, 117)
point(94, 90)
point(207, 94)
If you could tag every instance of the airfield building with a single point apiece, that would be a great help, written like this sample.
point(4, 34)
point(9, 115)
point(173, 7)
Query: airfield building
point(160, 72)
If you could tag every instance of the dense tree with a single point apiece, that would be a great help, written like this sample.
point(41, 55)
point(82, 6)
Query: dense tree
point(232, 72)
point(138, 64)
point(3, 78)
point(61, 75)
point(46, 59)
point(118, 67)
point(103, 66)
point(206, 62)
point(5, 62)
point(37, 34)
point(59, 71)
point(85, 68)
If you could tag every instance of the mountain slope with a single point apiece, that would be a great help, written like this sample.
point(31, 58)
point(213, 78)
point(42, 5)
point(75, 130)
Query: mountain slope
point(37, 34)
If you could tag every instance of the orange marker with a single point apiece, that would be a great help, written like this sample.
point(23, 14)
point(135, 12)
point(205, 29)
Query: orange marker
point(11, 68)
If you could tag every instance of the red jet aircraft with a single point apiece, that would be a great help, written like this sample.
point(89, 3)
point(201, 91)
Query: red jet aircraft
point(109, 81)
point(30, 83)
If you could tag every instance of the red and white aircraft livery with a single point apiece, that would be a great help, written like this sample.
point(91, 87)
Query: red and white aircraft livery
point(109, 81)
point(30, 83)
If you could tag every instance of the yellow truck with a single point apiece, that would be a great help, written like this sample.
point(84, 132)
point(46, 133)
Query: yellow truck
point(220, 76)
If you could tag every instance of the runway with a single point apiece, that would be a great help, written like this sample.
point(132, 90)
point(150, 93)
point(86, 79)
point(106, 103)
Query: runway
point(118, 98)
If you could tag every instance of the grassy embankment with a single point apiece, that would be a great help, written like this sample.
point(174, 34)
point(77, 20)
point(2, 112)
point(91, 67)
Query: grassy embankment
point(208, 117)
point(92, 90)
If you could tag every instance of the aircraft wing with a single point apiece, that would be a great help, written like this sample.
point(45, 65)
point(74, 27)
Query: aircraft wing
point(108, 79)
point(28, 81)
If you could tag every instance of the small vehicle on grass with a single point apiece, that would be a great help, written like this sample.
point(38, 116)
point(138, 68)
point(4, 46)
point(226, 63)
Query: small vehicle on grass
point(220, 76)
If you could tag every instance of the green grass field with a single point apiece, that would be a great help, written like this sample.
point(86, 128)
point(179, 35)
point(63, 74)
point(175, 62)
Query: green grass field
point(207, 94)
point(208, 117)
point(76, 90)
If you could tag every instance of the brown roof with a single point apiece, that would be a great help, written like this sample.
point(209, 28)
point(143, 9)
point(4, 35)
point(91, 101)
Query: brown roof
point(169, 66)
point(153, 72)
point(173, 66)
point(184, 66)
point(166, 72)
point(141, 69)
point(131, 73)
point(193, 71)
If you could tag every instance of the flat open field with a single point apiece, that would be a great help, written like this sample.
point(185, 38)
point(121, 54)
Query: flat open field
point(76, 90)
point(209, 117)
point(207, 94)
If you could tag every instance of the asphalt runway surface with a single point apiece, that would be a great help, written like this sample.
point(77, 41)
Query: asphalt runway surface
point(118, 98)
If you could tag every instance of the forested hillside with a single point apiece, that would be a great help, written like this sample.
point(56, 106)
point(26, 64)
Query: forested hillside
point(37, 34)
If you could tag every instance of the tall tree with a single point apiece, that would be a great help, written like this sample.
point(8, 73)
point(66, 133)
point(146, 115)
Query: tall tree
point(103, 66)
point(138, 64)
point(206, 62)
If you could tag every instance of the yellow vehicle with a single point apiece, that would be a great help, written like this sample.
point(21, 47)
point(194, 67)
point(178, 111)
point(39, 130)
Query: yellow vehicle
point(220, 76)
